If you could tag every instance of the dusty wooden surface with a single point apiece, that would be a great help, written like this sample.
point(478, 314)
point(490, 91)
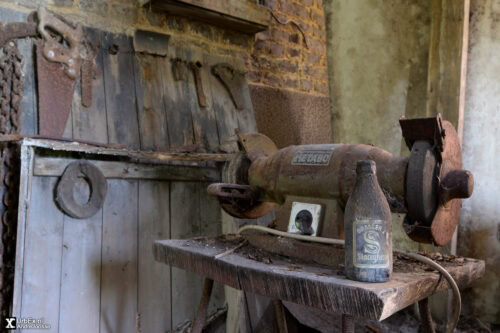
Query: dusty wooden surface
point(310, 284)
point(244, 16)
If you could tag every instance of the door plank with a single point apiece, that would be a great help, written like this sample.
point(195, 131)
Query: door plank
point(91, 123)
point(184, 217)
point(154, 294)
point(224, 109)
point(120, 90)
point(178, 101)
point(204, 120)
point(150, 108)
point(42, 255)
point(81, 270)
point(119, 258)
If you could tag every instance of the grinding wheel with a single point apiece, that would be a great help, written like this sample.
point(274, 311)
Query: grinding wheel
point(64, 190)
point(434, 195)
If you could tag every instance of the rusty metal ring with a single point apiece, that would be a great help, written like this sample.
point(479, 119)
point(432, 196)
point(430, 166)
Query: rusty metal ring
point(64, 190)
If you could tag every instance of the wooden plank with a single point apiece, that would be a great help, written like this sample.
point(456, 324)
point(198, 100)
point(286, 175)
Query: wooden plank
point(243, 16)
point(211, 226)
point(42, 255)
point(81, 270)
point(28, 117)
point(185, 217)
point(152, 116)
point(25, 179)
point(55, 166)
point(119, 85)
point(311, 284)
point(154, 294)
point(150, 157)
point(448, 60)
point(223, 106)
point(178, 100)
point(118, 309)
point(91, 123)
point(204, 121)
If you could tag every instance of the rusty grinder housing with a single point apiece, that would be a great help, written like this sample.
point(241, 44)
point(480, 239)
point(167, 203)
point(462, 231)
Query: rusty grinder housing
point(428, 185)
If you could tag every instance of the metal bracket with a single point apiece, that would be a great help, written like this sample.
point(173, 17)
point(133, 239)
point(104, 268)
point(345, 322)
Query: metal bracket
point(65, 51)
point(196, 68)
point(10, 31)
point(429, 129)
point(233, 80)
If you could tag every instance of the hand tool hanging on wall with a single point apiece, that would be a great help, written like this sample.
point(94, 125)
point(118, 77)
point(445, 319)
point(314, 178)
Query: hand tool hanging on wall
point(428, 185)
point(233, 80)
point(58, 67)
point(179, 70)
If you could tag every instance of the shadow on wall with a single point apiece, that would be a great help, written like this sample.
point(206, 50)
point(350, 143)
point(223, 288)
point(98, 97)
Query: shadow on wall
point(291, 118)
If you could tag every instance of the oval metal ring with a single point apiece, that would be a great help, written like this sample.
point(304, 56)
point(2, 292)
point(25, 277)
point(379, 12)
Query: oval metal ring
point(64, 190)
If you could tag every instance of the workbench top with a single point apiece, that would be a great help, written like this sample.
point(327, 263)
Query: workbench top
point(306, 282)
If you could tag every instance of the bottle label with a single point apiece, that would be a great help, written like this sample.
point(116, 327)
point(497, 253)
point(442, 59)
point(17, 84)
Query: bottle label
point(370, 244)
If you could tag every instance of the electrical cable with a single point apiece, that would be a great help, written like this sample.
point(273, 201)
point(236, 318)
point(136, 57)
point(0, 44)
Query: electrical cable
point(451, 282)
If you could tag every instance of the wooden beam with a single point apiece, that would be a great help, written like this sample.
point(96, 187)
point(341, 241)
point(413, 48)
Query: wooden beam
point(241, 15)
point(447, 69)
point(55, 166)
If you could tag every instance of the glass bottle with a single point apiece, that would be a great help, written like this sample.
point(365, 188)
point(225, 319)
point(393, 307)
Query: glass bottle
point(368, 229)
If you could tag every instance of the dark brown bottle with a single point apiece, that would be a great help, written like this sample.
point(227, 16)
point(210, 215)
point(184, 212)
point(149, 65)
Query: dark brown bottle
point(368, 229)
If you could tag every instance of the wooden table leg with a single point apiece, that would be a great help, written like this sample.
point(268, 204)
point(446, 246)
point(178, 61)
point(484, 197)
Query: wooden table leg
point(201, 315)
point(426, 316)
point(347, 323)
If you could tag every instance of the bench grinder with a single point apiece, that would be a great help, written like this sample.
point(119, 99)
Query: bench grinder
point(428, 185)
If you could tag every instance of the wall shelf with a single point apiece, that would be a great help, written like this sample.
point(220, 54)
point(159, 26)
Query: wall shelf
point(245, 16)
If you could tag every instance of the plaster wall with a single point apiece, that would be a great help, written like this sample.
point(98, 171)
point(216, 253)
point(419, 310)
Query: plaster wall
point(479, 233)
point(377, 65)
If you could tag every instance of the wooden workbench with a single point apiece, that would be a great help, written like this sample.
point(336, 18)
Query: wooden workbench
point(306, 282)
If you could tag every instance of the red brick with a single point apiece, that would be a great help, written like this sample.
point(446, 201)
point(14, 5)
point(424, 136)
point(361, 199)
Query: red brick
point(293, 52)
point(254, 76)
point(276, 50)
point(295, 9)
point(316, 45)
point(313, 58)
point(318, 17)
point(272, 79)
point(321, 87)
point(306, 85)
point(259, 45)
point(291, 83)
point(287, 66)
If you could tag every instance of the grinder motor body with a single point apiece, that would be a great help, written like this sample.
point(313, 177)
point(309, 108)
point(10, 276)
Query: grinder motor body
point(428, 185)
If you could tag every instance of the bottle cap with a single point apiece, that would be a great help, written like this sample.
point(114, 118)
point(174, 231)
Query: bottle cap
point(366, 166)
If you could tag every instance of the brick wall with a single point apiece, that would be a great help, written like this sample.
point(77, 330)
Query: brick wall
point(280, 57)
point(288, 80)
point(125, 16)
